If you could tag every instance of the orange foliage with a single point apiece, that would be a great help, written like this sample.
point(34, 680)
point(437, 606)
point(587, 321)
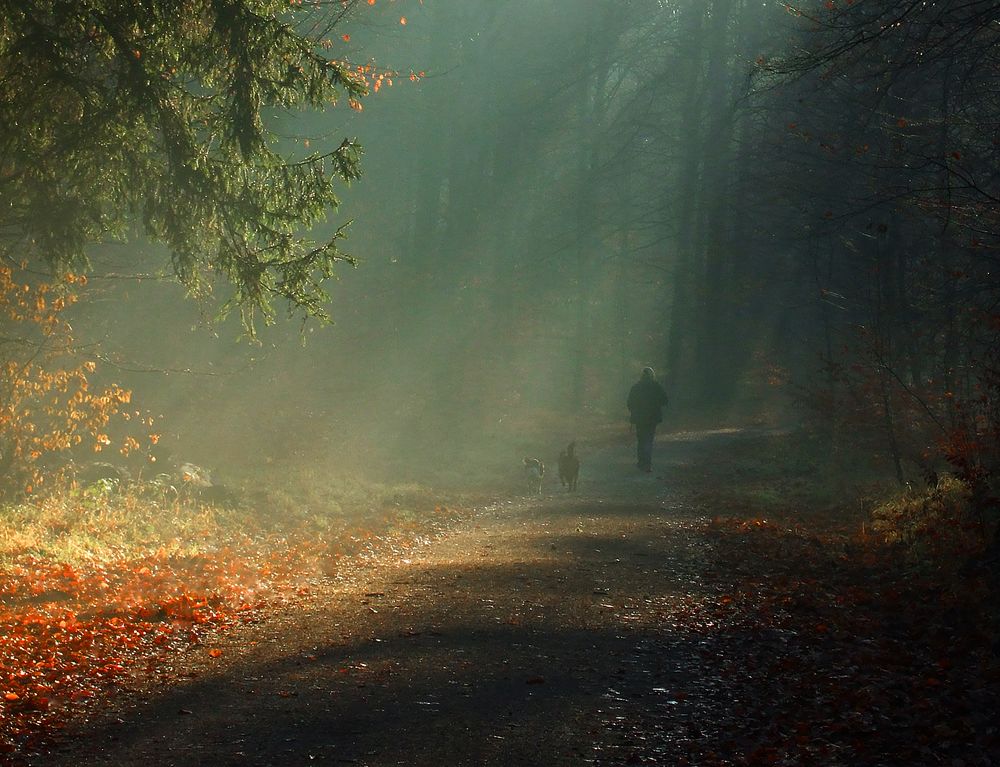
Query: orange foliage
point(47, 404)
point(72, 636)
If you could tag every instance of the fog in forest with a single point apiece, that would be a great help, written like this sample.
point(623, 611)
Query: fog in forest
point(527, 240)
point(560, 194)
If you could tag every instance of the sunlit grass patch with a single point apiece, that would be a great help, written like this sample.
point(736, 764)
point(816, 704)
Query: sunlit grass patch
point(102, 522)
point(79, 526)
point(314, 497)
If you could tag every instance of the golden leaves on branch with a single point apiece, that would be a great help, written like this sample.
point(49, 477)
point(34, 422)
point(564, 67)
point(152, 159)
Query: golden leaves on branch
point(47, 404)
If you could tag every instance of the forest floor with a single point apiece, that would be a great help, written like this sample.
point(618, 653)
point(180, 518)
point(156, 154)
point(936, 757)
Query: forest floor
point(646, 619)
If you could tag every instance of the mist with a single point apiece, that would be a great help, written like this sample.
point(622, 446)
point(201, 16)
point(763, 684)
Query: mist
point(559, 200)
point(555, 195)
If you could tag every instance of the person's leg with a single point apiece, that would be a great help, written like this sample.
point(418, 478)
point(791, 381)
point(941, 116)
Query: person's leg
point(650, 437)
point(644, 446)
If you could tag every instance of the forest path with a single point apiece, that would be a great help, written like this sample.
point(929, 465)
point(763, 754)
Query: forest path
point(518, 638)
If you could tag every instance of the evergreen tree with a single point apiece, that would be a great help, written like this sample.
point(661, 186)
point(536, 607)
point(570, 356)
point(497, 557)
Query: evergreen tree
point(153, 117)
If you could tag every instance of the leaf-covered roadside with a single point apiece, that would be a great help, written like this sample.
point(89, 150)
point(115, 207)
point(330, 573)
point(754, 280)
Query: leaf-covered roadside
point(815, 649)
point(74, 635)
point(856, 657)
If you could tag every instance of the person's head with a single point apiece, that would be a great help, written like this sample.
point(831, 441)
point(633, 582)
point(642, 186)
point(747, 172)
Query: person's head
point(648, 374)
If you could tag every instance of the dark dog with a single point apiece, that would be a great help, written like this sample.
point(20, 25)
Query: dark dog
point(534, 470)
point(569, 467)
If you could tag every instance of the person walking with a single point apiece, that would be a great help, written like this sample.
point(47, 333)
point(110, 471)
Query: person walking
point(646, 400)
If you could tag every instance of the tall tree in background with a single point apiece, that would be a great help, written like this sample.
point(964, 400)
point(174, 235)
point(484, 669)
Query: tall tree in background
point(895, 103)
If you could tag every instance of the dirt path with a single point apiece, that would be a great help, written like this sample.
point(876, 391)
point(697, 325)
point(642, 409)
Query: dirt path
point(530, 634)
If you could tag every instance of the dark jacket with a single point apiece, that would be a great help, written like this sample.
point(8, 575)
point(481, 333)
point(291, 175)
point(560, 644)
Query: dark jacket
point(646, 401)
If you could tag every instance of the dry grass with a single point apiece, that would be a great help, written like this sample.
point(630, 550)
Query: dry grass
point(77, 526)
point(937, 524)
point(912, 515)
point(102, 522)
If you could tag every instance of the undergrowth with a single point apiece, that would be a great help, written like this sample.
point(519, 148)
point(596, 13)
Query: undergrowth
point(100, 522)
point(871, 610)
point(792, 477)
point(937, 523)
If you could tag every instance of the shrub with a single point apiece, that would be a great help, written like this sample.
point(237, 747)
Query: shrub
point(937, 521)
point(47, 403)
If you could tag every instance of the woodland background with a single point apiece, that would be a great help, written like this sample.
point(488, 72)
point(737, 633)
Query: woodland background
point(789, 210)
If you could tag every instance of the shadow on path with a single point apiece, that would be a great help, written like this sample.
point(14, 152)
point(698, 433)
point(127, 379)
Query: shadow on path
point(501, 644)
